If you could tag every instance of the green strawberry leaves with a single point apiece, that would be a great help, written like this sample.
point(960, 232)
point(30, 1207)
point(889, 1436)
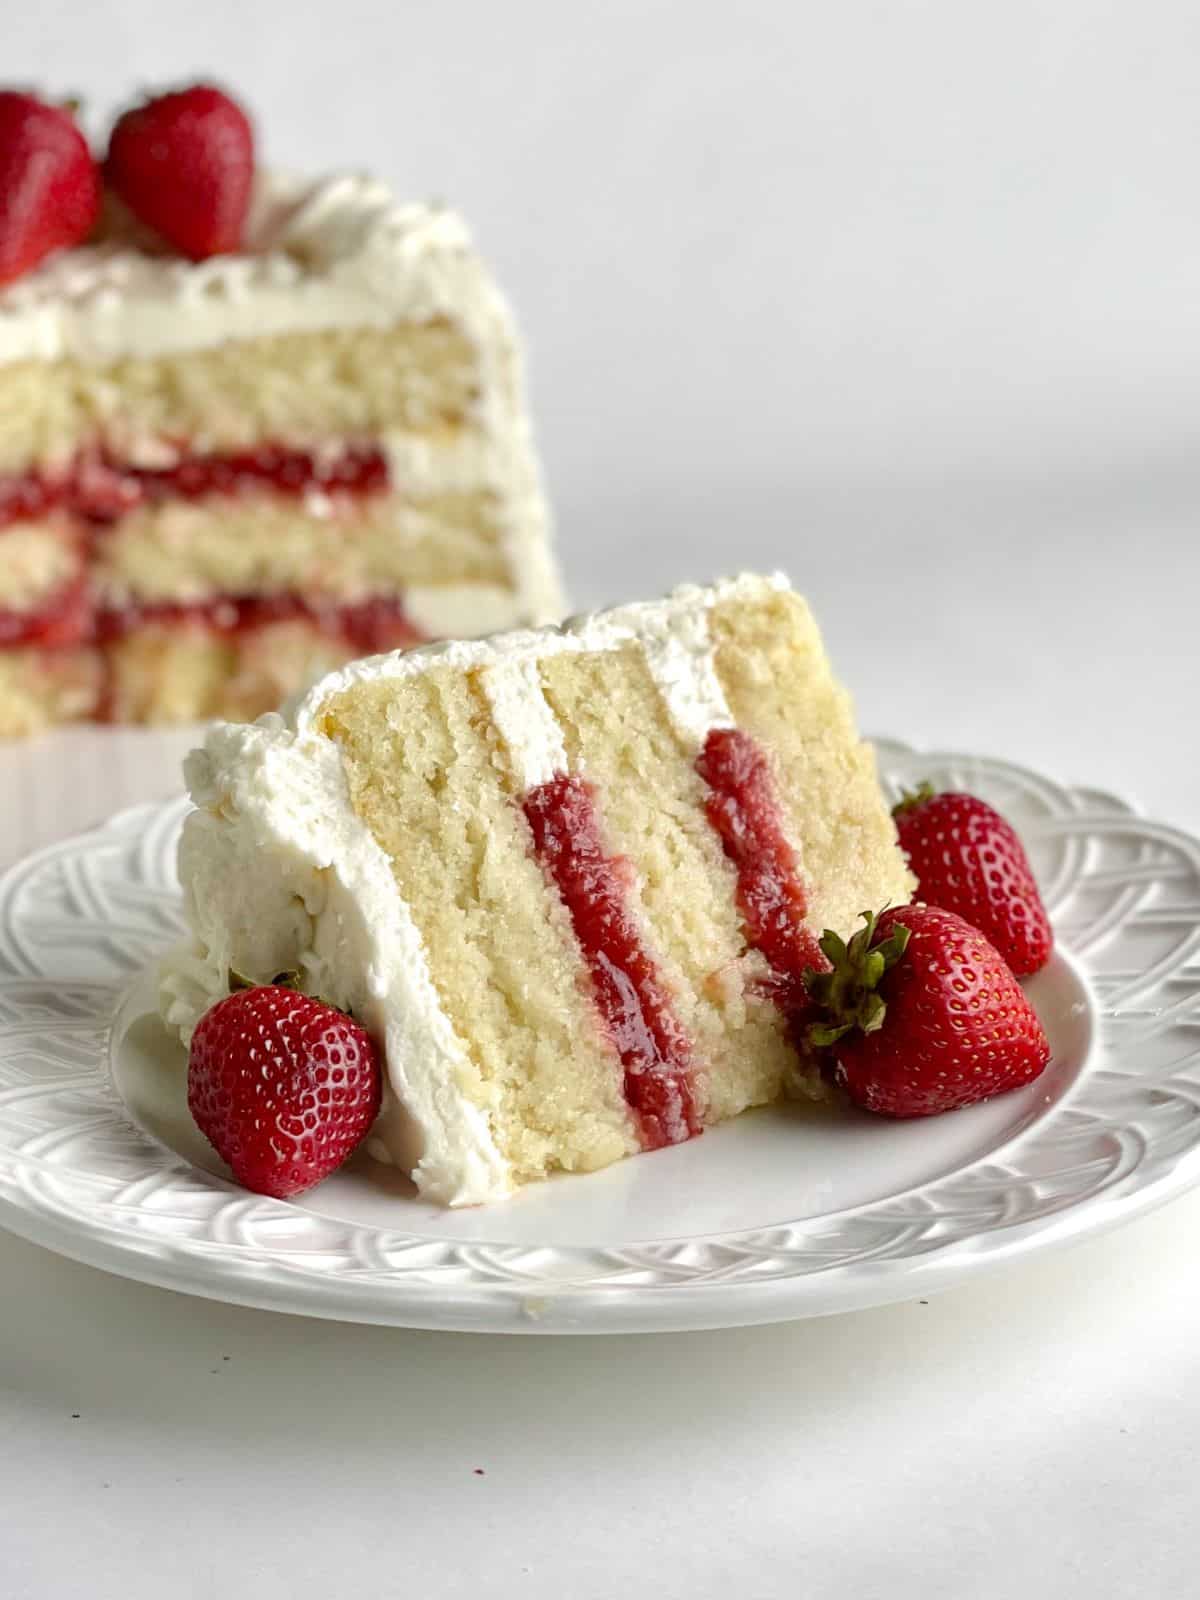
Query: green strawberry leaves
point(910, 799)
point(281, 980)
point(847, 995)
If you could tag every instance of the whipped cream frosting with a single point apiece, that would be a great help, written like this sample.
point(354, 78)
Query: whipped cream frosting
point(280, 874)
point(325, 253)
point(452, 610)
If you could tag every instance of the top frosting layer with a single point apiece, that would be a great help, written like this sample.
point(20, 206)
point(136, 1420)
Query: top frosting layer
point(325, 253)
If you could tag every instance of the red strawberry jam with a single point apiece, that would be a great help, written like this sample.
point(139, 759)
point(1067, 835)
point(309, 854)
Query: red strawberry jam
point(632, 999)
point(102, 491)
point(743, 807)
point(355, 470)
point(367, 626)
point(30, 495)
point(62, 621)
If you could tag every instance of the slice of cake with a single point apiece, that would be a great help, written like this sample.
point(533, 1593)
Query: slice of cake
point(568, 879)
point(221, 478)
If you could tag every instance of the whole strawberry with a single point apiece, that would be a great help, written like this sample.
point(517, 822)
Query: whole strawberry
point(968, 859)
point(49, 186)
point(283, 1086)
point(922, 1015)
point(184, 165)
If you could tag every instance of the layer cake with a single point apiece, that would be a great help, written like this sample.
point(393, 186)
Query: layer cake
point(568, 879)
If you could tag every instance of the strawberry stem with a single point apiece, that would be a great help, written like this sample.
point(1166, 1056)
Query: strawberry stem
point(281, 980)
point(847, 995)
point(910, 799)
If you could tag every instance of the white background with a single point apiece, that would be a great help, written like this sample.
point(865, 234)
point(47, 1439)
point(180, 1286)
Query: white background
point(903, 298)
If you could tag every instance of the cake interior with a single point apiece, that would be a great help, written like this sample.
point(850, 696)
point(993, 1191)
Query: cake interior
point(195, 535)
point(592, 936)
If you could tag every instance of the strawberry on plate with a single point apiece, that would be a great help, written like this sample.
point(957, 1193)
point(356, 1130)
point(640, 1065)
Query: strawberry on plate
point(283, 1086)
point(968, 859)
point(921, 1015)
point(184, 165)
point(49, 186)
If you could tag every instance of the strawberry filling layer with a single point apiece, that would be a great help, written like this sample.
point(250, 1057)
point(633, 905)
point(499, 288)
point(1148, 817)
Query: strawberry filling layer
point(63, 621)
point(70, 620)
point(743, 807)
point(367, 626)
point(98, 493)
point(633, 1002)
point(101, 490)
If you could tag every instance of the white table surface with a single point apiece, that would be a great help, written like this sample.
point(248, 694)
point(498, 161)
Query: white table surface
point(903, 300)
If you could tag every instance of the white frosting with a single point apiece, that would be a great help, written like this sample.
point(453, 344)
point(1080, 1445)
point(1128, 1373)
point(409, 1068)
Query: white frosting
point(330, 253)
point(452, 610)
point(524, 718)
point(684, 669)
point(430, 466)
point(279, 873)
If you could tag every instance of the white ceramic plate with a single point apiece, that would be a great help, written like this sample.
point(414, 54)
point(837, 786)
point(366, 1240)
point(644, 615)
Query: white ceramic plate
point(784, 1213)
